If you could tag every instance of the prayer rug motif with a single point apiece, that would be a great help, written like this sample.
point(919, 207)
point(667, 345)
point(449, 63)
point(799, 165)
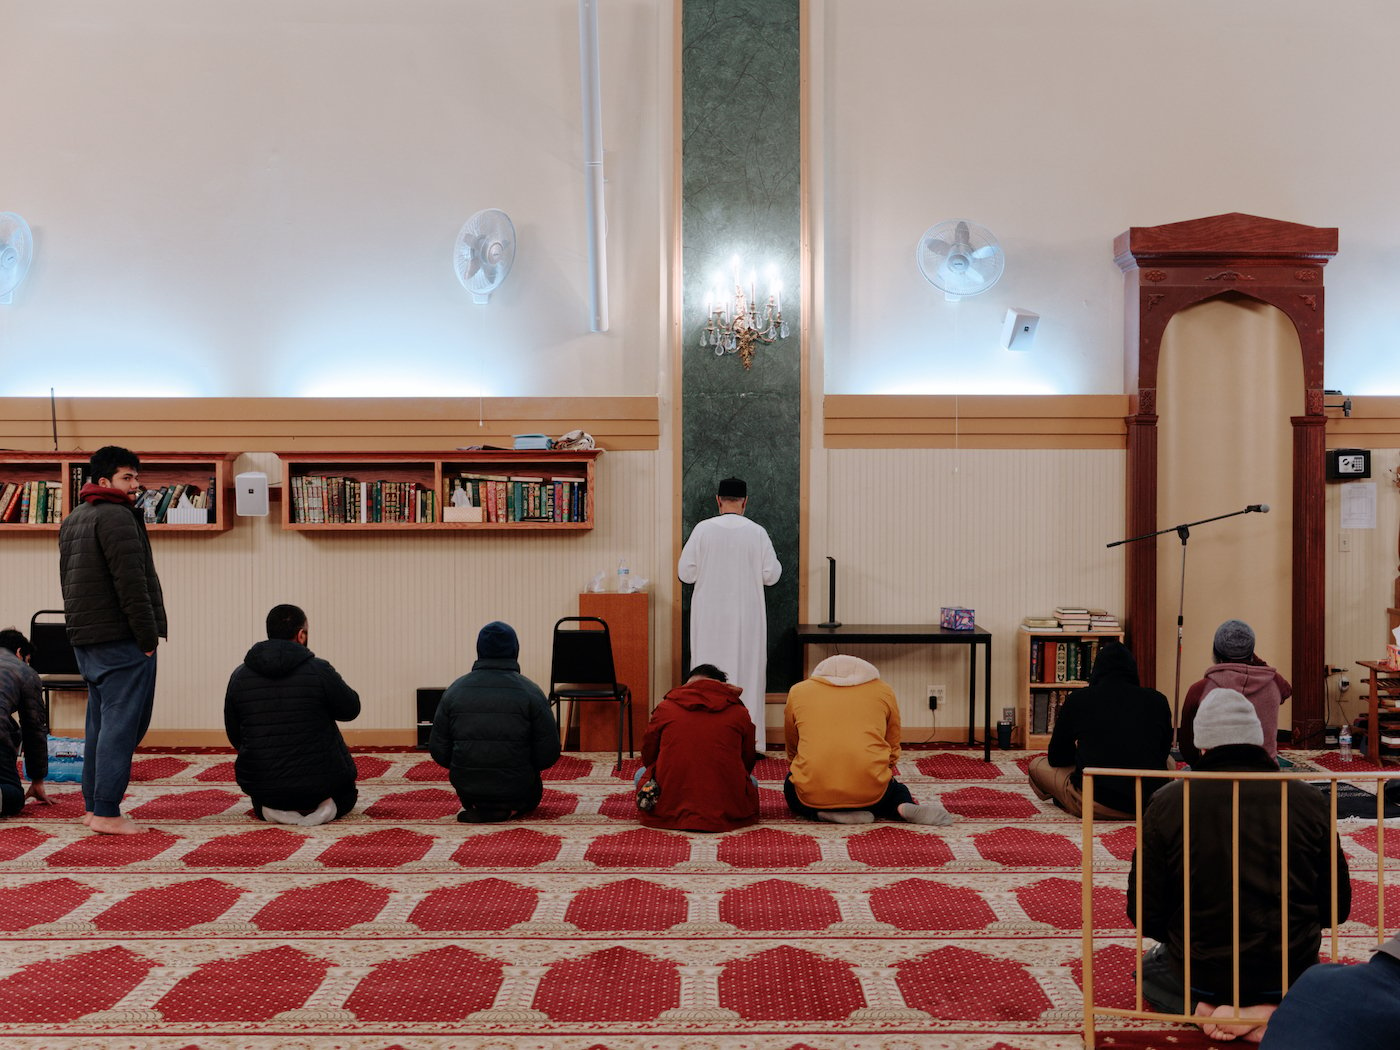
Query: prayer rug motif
point(576, 928)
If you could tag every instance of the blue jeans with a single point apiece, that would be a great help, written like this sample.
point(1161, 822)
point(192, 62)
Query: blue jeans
point(121, 683)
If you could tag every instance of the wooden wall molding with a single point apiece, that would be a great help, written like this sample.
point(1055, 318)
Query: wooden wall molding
point(1091, 421)
point(1167, 269)
point(272, 424)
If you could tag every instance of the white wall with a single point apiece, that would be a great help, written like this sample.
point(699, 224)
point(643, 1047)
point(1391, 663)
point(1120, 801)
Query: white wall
point(261, 198)
point(1060, 125)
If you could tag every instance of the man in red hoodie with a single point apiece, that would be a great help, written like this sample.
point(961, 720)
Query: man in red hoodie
point(1236, 667)
point(115, 615)
point(699, 748)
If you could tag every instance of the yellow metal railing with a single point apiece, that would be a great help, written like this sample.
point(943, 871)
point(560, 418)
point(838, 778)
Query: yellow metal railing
point(1091, 1010)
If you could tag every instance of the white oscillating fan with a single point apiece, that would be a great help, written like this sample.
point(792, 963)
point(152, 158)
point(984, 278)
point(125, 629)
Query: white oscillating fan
point(484, 252)
point(960, 258)
point(16, 253)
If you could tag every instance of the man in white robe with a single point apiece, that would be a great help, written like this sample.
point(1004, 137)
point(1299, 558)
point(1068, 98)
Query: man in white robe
point(730, 560)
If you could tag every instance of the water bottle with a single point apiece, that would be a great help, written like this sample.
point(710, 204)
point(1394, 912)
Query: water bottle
point(1344, 744)
point(624, 577)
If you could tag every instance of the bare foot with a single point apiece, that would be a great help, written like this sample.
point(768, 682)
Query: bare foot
point(115, 826)
point(87, 818)
point(1249, 1033)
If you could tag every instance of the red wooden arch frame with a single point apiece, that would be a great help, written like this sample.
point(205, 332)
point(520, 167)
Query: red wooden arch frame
point(1166, 269)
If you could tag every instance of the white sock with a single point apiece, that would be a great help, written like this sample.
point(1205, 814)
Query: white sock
point(926, 813)
point(281, 816)
point(322, 814)
point(846, 816)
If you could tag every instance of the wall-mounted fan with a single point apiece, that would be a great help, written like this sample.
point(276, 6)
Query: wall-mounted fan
point(484, 252)
point(16, 253)
point(960, 258)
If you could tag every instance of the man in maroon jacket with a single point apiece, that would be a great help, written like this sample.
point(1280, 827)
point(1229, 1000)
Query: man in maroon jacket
point(699, 748)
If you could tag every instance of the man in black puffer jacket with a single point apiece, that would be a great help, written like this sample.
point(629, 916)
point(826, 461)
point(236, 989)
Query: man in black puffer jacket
point(280, 713)
point(494, 732)
point(115, 615)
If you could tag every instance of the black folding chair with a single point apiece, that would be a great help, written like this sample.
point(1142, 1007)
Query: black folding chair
point(581, 671)
point(53, 658)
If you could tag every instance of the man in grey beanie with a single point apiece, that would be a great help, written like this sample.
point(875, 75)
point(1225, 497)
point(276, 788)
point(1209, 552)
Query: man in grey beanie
point(1236, 667)
point(1231, 739)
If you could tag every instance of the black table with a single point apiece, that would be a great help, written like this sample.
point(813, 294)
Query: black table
point(919, 634)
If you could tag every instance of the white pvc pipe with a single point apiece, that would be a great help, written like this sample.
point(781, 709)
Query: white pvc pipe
point(593, 166)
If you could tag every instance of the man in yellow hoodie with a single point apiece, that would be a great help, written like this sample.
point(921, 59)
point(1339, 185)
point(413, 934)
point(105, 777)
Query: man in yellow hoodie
point(842, 727)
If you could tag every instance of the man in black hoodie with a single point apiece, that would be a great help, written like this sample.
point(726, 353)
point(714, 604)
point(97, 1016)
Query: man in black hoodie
point(1114, 722)
point(280, 713)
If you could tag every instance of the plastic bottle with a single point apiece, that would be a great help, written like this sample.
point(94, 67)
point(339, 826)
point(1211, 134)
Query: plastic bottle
point(1344, 744)
point(624, 577)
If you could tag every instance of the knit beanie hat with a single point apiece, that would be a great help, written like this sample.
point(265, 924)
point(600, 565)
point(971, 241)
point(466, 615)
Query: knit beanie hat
point(497, 641)
point(1226, 717)
point(1234, 640)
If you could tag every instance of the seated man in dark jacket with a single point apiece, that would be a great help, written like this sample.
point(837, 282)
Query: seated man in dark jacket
point(1231, 740)
point(21, 693)
point(699, 749)
point(280, 713)
point(494, 732)
point(1113, 721)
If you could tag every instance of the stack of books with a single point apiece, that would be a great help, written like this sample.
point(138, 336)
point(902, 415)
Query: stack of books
point(1103, 622)
point(1038, 624)
point(1072, 617)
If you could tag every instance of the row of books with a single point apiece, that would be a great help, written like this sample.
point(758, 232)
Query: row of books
point(1045, 708)
point(331, 499)
point(1072, 619)
point(31, 502)
point(520, 498)
point(157, 504)
point(1068, 660)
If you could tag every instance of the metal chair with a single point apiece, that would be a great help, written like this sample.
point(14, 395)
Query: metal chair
point(53, 658)
point(581, 671)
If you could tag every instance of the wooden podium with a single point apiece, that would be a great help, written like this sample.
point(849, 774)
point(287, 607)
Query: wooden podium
point(628, 618)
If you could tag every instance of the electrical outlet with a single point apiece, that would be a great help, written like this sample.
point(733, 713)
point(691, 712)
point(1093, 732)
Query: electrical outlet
point(1344, 684)
point(1344, 542)
point(935, 696)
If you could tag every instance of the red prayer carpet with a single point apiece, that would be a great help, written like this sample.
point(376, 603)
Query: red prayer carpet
point(575, 929)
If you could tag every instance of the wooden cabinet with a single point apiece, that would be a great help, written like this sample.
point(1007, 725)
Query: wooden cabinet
point(46, 484)
point(1043, 679)
point(358, 491)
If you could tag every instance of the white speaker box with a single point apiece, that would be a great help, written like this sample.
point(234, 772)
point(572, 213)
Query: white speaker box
point(1018, 330)
point(250, 494)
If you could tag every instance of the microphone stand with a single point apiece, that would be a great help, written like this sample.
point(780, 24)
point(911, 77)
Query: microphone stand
point(1184, 532)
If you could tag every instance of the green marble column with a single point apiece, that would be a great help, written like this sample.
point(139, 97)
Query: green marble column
point(741, 161)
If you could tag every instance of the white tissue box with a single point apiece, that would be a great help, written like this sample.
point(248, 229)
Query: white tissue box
point(187, 516)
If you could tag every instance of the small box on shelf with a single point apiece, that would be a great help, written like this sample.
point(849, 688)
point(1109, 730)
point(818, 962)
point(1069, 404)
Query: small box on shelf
point(956, 618)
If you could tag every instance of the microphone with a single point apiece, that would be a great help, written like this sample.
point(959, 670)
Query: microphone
point(1257, 508)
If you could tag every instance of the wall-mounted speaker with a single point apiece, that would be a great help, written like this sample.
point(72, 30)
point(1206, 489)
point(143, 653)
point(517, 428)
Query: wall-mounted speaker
point(250, 494)
point(1018, 330)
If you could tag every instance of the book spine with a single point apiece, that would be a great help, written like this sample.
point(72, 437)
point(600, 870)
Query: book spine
point(1060, 661)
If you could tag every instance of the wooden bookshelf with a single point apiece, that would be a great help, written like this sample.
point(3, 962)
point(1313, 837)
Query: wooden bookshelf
point(1028, 689)
point(61, 474)
point(537, 491)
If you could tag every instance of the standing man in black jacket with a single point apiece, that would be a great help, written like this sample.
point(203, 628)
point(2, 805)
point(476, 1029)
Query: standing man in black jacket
point(115, 614)
point(494, 732)
point(280, 713)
